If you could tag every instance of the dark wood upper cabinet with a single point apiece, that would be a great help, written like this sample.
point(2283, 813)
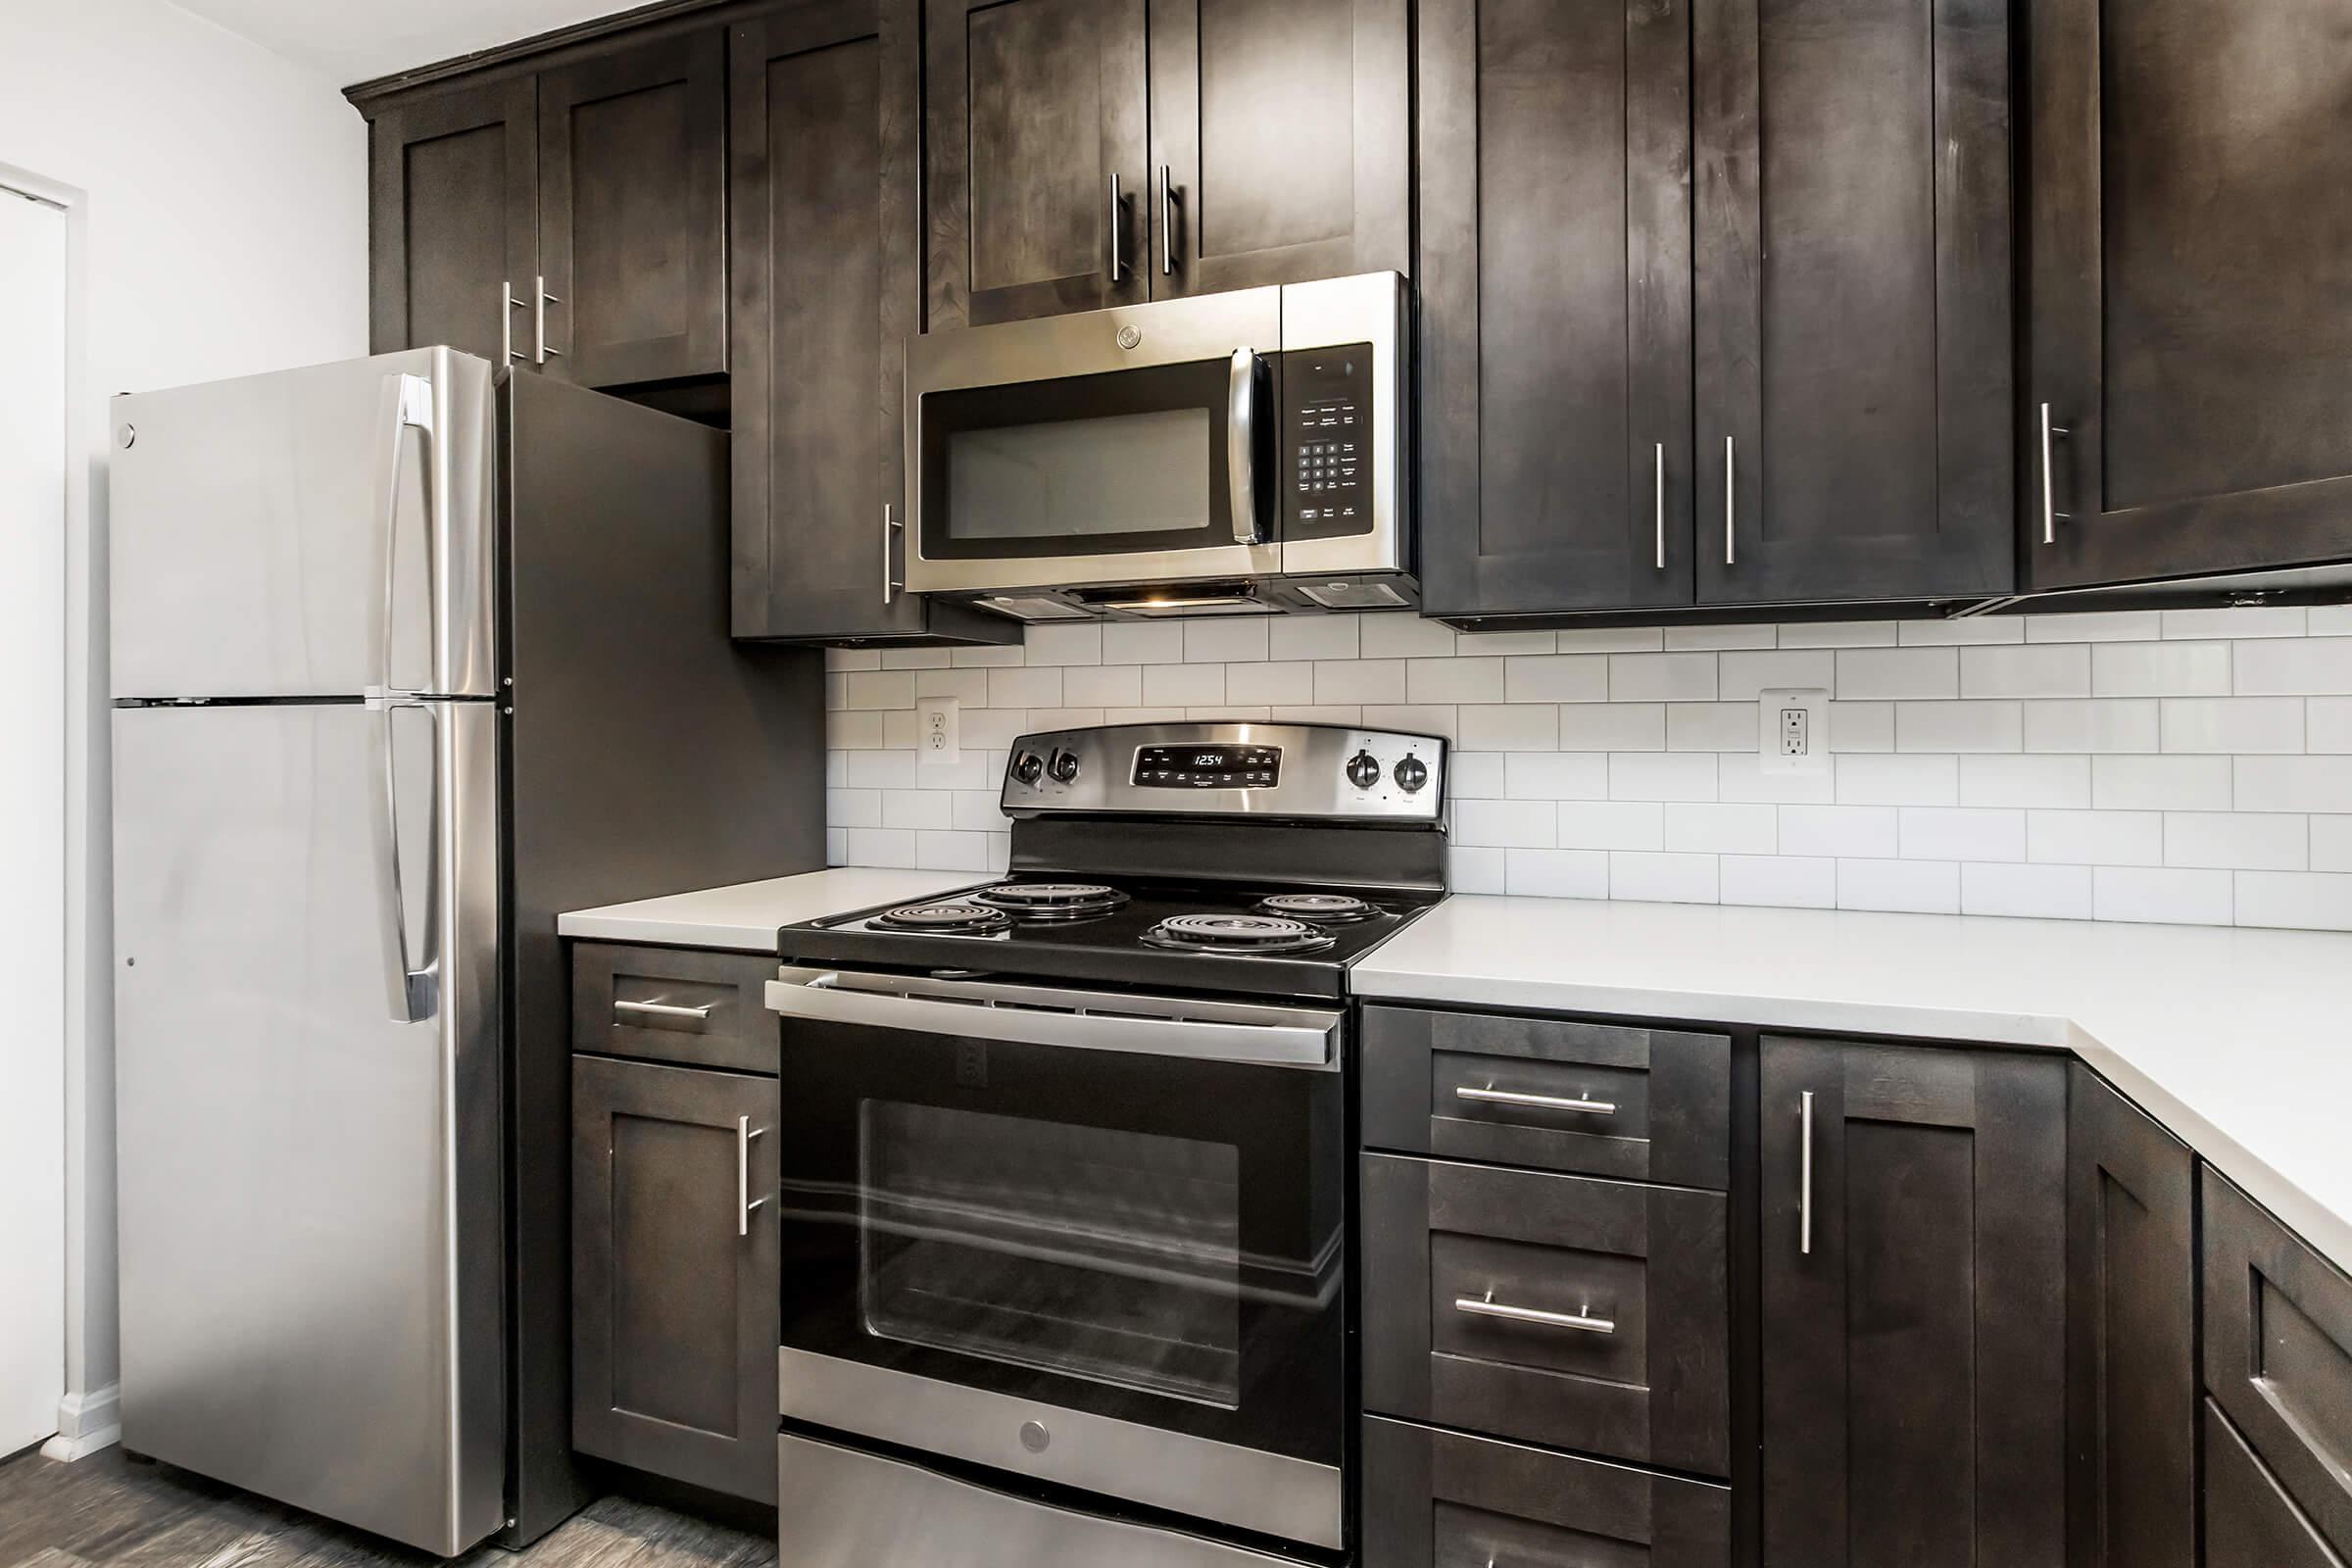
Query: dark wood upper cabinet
point(824, 240)
point(1280, 142)
point(2190, 307)
point(1555, 292)
point(1914, 1306)
point(675, 1278)
point(632, 211)
point(2132, 1350)
point(453, 220)
point(1853, 300)
point(1036, 110)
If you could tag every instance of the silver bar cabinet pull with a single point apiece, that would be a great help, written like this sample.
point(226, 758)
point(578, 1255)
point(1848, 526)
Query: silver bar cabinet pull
point(2050, 515)
point(745, 1202)
point(539, 323)
point(506, 322)
point(1119, 250)
point(659, 1010)
point(1491, 1096)
point(890, 525)
point(1487, 1306)
point(1167, 224)
point(1657, 491)
point(1731, 475)
point(1804, 1190)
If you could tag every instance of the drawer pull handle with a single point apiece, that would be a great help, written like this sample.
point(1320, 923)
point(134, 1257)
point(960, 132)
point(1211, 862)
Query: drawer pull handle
point(745, 1202)
point(1487, 1306)
point(1491, 1096)
point(659, 1010)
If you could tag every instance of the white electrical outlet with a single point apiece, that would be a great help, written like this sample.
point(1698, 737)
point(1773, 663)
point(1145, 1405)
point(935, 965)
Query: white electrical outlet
point(938, 731)
point(1792, 728)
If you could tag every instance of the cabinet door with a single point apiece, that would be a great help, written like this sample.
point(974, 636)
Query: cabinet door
point(1854, 360)
point(674, 1272)
point(453, 195)
point(823, 243)
point(2131, 1356)
point(1914, 1235)
point(1555, 305)
point(2192, 267)
point(1036, 111)
point(1281, 143)
point(632, 212)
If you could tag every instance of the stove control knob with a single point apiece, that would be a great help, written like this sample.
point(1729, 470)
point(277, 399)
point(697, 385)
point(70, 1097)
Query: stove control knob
point(1028, 767)
point(1411, 774)
point(1063, 767)
point(1363, 770)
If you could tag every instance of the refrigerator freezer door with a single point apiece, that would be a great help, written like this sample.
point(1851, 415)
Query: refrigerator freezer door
point(312, 533)
point(310, 1202)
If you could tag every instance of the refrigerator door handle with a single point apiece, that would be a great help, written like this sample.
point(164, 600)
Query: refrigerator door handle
point(414, 991)
point(408, 404)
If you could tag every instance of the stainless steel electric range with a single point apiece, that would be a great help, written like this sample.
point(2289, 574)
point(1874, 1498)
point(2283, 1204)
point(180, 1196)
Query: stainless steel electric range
point(1065, 1162)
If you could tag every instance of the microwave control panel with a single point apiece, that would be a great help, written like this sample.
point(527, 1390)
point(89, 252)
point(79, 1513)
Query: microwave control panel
point(1327, 442)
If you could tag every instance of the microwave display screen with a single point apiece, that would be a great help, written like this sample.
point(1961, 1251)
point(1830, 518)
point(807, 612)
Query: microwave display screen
point(1118, 474)
point(1208, 767)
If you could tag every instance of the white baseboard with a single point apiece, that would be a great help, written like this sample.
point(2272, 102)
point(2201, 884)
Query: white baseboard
point(86, 1423)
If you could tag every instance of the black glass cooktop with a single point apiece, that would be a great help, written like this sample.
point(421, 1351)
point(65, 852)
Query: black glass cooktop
point(1277, 940)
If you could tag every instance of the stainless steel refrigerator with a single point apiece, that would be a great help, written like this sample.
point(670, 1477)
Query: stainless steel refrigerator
point(409, 655)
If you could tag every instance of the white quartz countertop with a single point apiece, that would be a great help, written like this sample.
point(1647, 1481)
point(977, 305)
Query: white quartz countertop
point(744, 917)
point(2239, 1041)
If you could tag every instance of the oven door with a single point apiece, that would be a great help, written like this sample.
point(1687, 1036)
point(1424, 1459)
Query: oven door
point(1133, 445)
point(1089, 1238)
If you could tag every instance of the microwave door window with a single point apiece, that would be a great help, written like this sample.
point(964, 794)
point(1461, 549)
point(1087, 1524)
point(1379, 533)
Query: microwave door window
point(1108, 1255)
point(1125, 473)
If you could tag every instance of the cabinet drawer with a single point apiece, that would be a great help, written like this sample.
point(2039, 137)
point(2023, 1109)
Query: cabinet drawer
point(1600, 1099)
point(2250, 1522)
point(1444, 1499)
point(683, 1005)
point(2278, 1352)
point(1561, 1310)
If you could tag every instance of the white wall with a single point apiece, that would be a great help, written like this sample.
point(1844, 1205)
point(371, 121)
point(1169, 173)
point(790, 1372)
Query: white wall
point(218, 196)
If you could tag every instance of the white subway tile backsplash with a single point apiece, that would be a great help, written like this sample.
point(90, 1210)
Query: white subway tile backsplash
point(1612, 825)
point(1897, 673)
point(2160, 783)
point(2237, 840)
point(2095, 838)
point(1558, 678)
point(1903, 887)
point(1228, 640)
point(2126, 764)
point(1664, 879)
point(2160, 669)
point(2028, 892)
point(2232, 724)
point(1662, 678)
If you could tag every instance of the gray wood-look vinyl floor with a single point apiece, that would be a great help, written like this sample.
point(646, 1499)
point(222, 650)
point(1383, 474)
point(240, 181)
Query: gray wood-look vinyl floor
point(108, 1511)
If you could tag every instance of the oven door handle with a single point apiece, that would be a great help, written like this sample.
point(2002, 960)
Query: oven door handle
point(1044, 1016)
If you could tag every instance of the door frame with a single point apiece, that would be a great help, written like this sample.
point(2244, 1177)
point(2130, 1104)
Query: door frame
point(87, 1416)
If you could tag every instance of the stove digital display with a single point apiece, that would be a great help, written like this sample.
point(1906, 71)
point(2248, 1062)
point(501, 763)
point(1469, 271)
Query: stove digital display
point(1208, 767)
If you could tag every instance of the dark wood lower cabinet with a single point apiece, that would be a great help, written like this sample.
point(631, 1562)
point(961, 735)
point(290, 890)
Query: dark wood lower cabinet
point(2250, 1521)
point(2132, 1347)
point(1913, 1367)
point(1446, 1499)
point(674, 1273)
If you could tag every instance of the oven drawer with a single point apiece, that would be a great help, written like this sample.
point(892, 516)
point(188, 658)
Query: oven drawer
point(1561, 1310)
point(2250, 1522)
point(2279, 1354)
point(678, 1004)
point(1451, 1501)
point(1600, 1099)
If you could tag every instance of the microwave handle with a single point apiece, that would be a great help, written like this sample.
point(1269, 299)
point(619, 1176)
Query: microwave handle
point(1240, 446)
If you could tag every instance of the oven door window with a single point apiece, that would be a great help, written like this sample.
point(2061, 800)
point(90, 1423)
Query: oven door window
point(1108, 1255)
point(1120, 462)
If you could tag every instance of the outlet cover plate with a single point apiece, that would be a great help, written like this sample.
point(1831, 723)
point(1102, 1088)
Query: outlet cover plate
point(1792, 731)
point(938, 731)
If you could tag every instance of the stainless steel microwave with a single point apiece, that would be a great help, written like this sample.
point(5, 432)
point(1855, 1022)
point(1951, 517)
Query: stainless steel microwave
point(1237, 453)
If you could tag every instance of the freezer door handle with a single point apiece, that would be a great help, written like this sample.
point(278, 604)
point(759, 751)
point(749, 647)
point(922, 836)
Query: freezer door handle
point(407, 405)
point(412, 988)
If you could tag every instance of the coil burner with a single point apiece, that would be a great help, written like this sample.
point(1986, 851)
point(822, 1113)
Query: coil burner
point(1236, 933)
point(1319, 908)
point(1052, 900)
point(960, 918)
